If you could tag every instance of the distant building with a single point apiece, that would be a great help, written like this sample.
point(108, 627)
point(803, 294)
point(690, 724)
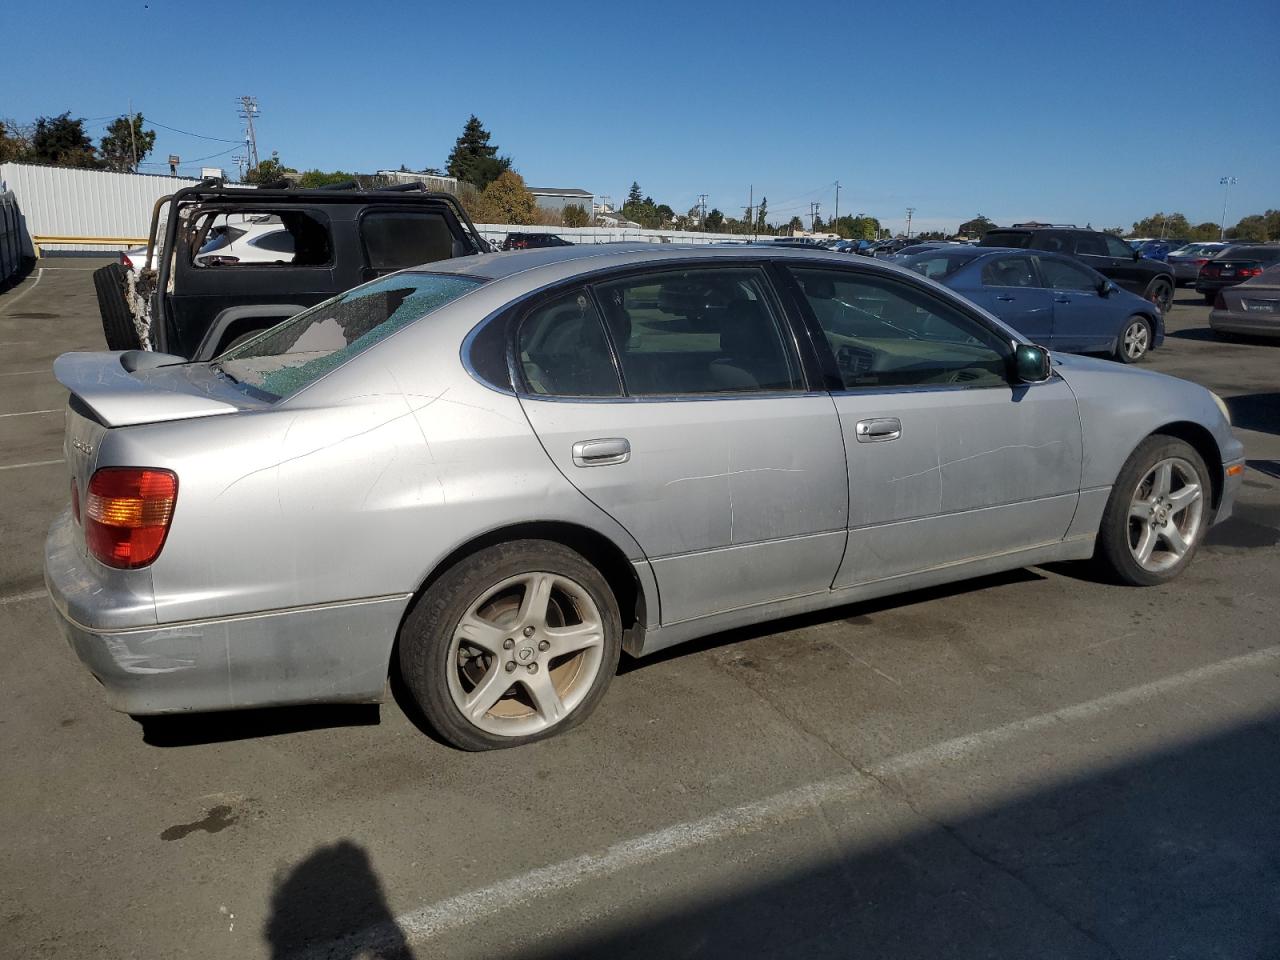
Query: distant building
point(615, 220)
point(555, 199)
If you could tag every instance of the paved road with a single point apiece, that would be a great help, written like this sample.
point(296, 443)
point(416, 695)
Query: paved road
point(1030, 765)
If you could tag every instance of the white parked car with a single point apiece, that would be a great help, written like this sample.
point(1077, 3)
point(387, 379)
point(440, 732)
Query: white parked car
point(233, 239)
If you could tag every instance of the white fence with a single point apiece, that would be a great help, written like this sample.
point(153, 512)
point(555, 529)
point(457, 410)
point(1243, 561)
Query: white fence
point(495, 233)
point(65, 202)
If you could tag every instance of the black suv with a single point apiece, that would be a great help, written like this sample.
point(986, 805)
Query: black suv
point(1105, 252)
point(187, 302)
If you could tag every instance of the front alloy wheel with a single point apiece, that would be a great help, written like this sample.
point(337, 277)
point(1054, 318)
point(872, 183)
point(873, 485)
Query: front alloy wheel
point(1135, 341)
point(1159, 509)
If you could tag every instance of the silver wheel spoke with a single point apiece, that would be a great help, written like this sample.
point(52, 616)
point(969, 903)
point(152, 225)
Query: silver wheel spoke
point(1146, 544)
point(1140, 510)
point(537, 596)
point(488, 691)
point(1163, 481)
point(479, 633)
point(1184, 498)
point(581, 636)
point(1173, 537)
point(545, 698)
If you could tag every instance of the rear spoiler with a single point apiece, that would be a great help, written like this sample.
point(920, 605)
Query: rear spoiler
point(105, 383)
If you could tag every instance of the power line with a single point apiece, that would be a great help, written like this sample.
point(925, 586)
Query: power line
point(188, 133)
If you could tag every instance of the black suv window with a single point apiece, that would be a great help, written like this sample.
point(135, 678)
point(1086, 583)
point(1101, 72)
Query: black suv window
point(886, 333)
point(698, 331)
point(395, 239)
point(1055, 241)
point(1117, 247)
point(1006, 238)
point(1091, 245)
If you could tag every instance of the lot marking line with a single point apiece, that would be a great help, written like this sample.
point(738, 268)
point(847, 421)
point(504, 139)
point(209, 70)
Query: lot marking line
point(23, 373)
point(30, 413)
point(22, 293)
point(22, 597)
point(33, 463)
point(457, 911)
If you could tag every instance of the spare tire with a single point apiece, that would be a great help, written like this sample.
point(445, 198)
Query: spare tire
point(117, 321)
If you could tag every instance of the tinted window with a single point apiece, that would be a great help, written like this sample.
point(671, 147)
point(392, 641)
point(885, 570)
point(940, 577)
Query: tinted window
point(1006, 238)
point(278, 240)
point(302, 349)
point(1009, 272)
point(936, 264)
point(697, 331)
point(886, 333)
point(1116, 247)
point(1055, 241)
point(1062, 275)
point(396, 239)
point(1091, 244)
point(563, 350)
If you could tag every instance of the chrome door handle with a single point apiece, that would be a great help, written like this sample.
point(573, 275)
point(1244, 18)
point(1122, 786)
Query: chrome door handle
point(1005, 299)
point(1061, 299)
point(877, 431)
point(601, 453)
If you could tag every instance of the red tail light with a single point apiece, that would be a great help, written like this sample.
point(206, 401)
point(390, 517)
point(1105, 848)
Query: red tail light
point(1209, 271)
point(125, 261)
point(1219, 302)
point(1249, 272)
point(127, 514)
point(1200, 263)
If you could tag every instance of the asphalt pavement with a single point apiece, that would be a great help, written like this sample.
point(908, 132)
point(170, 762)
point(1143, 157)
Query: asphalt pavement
point(1034, 764)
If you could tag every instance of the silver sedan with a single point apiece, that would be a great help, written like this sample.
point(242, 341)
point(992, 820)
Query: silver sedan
point(501, 471)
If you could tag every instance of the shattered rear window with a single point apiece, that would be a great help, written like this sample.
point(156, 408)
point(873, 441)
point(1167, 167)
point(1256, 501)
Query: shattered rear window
point(292, 354)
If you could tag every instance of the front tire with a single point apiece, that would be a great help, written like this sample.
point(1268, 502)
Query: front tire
point(1160, 293)
point(1135, 340)
point(516, 643)
point(1157, 514)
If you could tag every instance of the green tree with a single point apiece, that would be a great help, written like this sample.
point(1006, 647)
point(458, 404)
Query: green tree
point(1162, 225)
point(715, 221)
point(318, 178)
point(508, 200)
point(977, 227)
point(62, 142)
point(15, 140)
point(267, 171)
point(575, 215)
point(474, 159)
point(1252, 229)
point(126, 143)
point(796, 225)
point(634, 196)
point(1201, 231)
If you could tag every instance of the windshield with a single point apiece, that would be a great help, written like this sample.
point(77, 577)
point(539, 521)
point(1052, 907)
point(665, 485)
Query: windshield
point(302, 349)
point(936, 264)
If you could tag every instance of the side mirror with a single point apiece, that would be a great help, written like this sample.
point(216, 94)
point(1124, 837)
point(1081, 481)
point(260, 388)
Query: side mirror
point(1031, 363)
point(1137, 254)
point(1106, 288)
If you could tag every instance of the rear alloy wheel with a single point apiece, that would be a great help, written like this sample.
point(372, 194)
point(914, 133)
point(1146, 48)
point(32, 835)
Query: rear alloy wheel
point(516, 643)
point(1135, 340)
point(1157, 514)
point(1160, 293)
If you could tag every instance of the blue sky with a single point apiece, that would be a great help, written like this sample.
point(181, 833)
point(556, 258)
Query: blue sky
point(1096, 112)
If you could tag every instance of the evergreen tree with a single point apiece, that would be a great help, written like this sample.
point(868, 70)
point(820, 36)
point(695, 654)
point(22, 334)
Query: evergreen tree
point(126, 144)
point(62, 142)
point(474, 159)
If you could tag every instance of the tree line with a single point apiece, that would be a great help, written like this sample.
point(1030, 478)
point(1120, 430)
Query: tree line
point(62, 141)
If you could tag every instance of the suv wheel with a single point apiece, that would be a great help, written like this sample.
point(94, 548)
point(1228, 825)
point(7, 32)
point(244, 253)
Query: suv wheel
point(516, 643)
point(1157, 514)
point(1160, 292)
point(1135, 340)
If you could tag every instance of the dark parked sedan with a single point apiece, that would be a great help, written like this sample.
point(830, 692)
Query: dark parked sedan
point(1251, 308)
point(1236, 264)
point(1187, 261)
point(1053, 300)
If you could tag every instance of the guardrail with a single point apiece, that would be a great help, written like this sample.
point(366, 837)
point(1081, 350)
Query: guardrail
point(41, 241)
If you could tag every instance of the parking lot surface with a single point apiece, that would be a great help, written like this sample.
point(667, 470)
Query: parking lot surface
point(1030, 765)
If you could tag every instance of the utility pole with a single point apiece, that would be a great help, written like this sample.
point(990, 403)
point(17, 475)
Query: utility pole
point(702, 212)
point(836, 216)
point(751, 205)
point(133, 141)
point(239, 160)
point(249, 110)
point(910, 211)
point(814, 206)
point(1225, 183)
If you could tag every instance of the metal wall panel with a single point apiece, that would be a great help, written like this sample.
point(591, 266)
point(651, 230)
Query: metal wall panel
point(61, 201)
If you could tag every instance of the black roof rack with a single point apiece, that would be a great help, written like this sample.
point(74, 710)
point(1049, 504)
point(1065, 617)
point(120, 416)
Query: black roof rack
point(1056, 226)
point(340, 185)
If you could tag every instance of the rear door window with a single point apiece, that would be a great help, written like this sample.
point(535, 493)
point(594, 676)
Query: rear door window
point(1055, 241)
point(1091, 245)
point(1062, 275)
point(396, 239)
point(1117, 247)
point(563, 350)
point(1009, 272)
point(698, 332)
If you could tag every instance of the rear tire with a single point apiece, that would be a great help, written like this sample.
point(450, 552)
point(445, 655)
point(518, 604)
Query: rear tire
point(1134, 340)
point(1210, 297)
point(117, 321)
point(514, 644)
point(1160, 292)
point(1157, 514)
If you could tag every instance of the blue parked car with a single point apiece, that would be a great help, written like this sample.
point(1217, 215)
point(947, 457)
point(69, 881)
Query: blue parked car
point(1050, 298)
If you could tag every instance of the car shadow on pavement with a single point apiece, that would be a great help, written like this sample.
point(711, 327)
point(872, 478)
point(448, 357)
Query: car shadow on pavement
point(191, 729)
point(1255, 411)
point(319, 901)
point(862, 608)
point(1171, 854)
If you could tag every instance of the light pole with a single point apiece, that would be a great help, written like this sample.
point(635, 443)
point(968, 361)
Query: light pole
point(1226, 183)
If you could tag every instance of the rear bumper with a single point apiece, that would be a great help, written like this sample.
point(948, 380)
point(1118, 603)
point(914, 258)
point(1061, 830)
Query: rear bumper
point(326, 653)
point(1212, 286)
point(1261, 325)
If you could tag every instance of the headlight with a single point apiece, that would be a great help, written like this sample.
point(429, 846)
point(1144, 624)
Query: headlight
point(1222, 405)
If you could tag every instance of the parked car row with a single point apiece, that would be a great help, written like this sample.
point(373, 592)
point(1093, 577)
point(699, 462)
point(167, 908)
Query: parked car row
point(1235, 264)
